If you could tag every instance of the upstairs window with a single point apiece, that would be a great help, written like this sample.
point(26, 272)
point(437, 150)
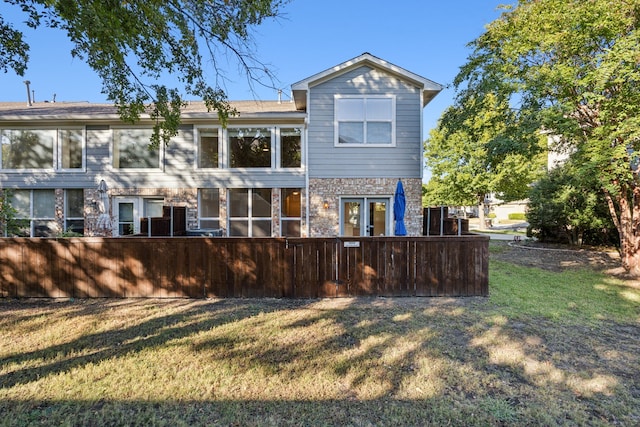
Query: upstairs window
point(364, 120)
point(290, 147)
point(250, 148)
point(57, 149)
point(208, 147)
point(131, 149)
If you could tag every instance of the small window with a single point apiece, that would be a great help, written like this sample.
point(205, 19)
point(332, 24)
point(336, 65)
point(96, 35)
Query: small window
point(74, 211)
point(290, 212)
point(290, 147)
point(250, 148)
point(208, 148)
point(131, 149)
point(209, 206)
point(365, 120)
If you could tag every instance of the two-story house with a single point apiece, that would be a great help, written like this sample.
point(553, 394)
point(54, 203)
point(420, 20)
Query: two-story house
point(325, 164)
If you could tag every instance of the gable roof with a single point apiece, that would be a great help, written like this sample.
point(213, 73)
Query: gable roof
point(429, 88)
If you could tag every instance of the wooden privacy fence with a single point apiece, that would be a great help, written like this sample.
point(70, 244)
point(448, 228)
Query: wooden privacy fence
point(201, 267)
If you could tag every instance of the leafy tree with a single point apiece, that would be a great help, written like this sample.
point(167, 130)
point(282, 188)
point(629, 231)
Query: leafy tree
point(564, 206)
point(471, 154)
point(131, 43)
point(571, 68)
point(8, 224)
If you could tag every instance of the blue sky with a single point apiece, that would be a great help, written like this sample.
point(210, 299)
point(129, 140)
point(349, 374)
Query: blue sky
point(427, 37)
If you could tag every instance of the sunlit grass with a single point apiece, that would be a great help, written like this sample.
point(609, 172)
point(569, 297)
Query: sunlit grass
point(545, 348)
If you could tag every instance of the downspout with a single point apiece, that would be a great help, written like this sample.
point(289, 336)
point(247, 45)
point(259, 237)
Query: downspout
point(305, 156)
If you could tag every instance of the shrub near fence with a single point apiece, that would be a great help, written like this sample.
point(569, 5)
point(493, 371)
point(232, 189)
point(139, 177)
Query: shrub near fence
point(200, 267)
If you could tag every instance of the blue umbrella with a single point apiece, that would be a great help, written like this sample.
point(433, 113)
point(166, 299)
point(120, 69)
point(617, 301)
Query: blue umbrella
point(399, 205)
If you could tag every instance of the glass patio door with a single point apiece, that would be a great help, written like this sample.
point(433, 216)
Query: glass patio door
point(364, 217)
point(127, 217)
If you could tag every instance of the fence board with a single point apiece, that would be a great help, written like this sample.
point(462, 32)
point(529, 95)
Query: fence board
point(200, 267)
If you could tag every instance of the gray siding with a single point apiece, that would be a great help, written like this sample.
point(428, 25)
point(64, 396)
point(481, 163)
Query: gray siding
point(179, 170)
point(327, 161)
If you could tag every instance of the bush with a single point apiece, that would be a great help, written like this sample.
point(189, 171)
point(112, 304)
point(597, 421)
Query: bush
point(518, 216)
point(492, 215)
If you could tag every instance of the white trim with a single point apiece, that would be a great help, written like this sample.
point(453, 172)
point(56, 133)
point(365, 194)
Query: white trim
point(196, 145)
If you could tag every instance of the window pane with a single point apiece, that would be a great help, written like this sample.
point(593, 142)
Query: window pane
point(153, 208)
point(131, 149)
point(45, 228)
point(22, 228)
point(125, 212)
point(379, 109)
point(209, 223)
point(291, 151)
point(250, 148)
point(350, 109)
point(351, 133)
point(261, 228)
point(75, 226)
point(21, 202)
point(291, 228)
point(261, 202)
point(44, 204)
point(209, 203)
point(290, 206)
point(25, 149)
point(378, 133)
point(238, 202)
point(238, 228)
point(208, 148)
point(74, 208)
point(71, 148)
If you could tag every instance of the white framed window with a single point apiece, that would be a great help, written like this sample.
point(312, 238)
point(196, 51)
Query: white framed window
point(249, 212)
point(35, 213)
point(290, 212)
point(74, 211)
point(250, 147)
point(130, 149)
point(208, 149)
point(209, 208)
point(289, 142)
point(59, 149)
point(364, 120)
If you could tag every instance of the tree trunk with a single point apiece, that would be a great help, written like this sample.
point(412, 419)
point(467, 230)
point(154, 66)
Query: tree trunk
point(626, 219)
point(481, 206)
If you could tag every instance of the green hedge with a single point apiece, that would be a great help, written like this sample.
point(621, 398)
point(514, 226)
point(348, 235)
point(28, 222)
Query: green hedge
point(517, 216)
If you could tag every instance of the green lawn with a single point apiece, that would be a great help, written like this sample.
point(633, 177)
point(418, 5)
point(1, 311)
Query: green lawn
point(544, 349)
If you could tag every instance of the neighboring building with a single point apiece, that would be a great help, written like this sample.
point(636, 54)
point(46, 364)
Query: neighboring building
point(325, 164)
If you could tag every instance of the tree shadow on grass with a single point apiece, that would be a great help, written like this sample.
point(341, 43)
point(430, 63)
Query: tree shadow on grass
point(395, 361)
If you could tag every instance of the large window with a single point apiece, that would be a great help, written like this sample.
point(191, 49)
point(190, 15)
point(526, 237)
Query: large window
point(290, 212)
point(365, 120)
point(209, 206)
point(36, 212)
point(58, 149)
point(208, 147)
point(250, 212)
point(74, 211)
point(250, 148)
point(131, 149)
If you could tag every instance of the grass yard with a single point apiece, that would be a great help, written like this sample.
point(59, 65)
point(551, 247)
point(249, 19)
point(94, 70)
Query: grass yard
point(546, 348)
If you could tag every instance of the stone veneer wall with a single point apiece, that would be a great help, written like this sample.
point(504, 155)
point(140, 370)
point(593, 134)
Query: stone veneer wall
point(326, 222)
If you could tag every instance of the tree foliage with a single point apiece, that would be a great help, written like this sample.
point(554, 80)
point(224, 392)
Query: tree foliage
point(572, 69)
point(131, 44)
point(472, 154)
point(567, 207)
